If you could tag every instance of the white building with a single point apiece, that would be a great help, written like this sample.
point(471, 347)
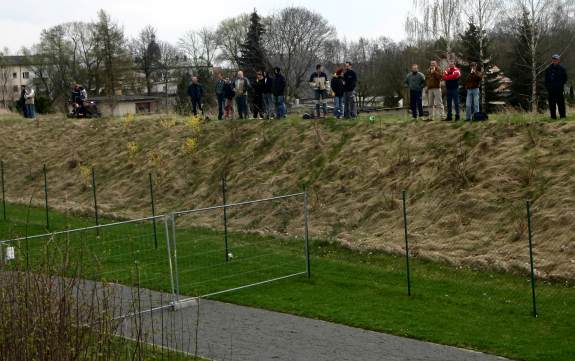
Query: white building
point(15, 71)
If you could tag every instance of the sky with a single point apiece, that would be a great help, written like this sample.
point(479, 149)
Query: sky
point(22, 22)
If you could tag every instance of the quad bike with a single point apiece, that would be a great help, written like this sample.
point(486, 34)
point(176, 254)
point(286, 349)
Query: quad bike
point(89, 109)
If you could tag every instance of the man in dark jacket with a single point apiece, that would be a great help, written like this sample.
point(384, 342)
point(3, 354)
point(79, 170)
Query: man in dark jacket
point(268, 96)
point(278, 90)
point(259, 89)
point(196, 92)
point(220, 94)
point(555, 80)
point(415, 82)
point(451, 76)
point(350, 82)
point(337, 87)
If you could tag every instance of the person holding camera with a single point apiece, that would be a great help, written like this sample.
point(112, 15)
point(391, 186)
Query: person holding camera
point(434, 96)
point(319, 83)
point(472, 84)
point(451, 77)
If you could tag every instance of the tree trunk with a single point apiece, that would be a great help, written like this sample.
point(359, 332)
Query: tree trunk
point(533, 46)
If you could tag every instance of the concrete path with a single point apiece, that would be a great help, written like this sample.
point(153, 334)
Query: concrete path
point(222, 331)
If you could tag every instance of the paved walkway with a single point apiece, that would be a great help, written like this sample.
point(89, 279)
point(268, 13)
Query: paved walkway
point(231, 332)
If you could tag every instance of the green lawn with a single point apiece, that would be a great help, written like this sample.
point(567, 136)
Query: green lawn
point(484, 311)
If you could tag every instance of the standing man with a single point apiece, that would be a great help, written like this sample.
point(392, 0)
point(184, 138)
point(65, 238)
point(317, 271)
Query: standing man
point(555, 80)
point(196, 92)
point(451, 76)
point(434, 96)
point(319, 83)
point(22, 101)
point(415, 81)
point(472, 84)
point(337, 88)
point(241, 88)
point(268, 96)
point(220, 94)
point(229, 94)
point(29, 98)
point(259, 90)
point(278, 90)
point(350, 82)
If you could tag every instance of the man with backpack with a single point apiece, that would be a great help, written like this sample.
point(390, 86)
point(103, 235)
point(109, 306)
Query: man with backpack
point(555, 80)
point(196, 92)
point(451, 77)
point(319, 83)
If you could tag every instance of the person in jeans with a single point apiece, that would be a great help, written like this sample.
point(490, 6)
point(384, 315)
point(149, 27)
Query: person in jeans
point(350, 82)
point(337, 88)
point(319, 83)
point(29, 99)
point(434, 96)
point(220, 94)
point(555, 80)
point(196, 92)
point(229, 95)
point(415, 82)
point(451, 77)
point(278, 90)
point(241, 88)
point(268, 96)
point(258, 92)
point(472, 84)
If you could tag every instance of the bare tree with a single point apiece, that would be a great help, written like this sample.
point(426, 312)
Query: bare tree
point(167, 66)
point(201, 46)
point(435, 20)
point(4, 76)
point(537, 14)
point(146, 54)
point(83, 37)
point(231, 33)
point(294, 40)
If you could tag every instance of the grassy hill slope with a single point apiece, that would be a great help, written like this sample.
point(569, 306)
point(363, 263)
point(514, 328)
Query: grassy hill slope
point(467, 183)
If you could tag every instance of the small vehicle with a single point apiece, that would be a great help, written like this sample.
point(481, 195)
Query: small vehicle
point(89, 109)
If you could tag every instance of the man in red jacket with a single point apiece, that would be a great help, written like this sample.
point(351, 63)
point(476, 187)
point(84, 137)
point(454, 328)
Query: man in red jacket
point(451, 76)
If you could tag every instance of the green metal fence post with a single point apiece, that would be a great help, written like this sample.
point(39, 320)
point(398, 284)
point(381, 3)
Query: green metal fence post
point(404, 197)
point(224, 194)
point(95, 194)
point(306, 225)
point(153, 204)
point(46, 197)
point(3, 189)
point(532, 263)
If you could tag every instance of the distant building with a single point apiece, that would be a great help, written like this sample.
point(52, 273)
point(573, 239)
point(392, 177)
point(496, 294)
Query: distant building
point(15, 71)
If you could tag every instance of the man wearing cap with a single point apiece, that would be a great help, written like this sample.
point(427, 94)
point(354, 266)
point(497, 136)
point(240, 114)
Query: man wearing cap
point(555, 80)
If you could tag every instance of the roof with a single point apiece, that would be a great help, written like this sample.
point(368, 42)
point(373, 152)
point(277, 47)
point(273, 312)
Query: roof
point(19, 60)
point(125, 98)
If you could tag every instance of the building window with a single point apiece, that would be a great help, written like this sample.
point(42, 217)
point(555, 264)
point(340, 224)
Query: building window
point(26, 75)
point(15, 75)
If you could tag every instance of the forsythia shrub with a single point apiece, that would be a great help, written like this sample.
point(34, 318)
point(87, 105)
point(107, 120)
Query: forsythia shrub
point(190, 146)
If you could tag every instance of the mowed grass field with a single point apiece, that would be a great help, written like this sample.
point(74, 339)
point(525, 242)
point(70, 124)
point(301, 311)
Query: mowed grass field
point(485, 311)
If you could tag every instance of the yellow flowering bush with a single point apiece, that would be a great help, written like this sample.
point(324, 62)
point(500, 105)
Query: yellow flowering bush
point(128, 119)
point(190, 146)
point(133, 149)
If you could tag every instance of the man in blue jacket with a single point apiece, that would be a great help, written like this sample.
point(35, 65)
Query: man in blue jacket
point(555, 80)
point(196, 92)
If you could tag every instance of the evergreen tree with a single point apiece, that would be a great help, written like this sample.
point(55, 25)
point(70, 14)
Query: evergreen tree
point(475, 48)
point(253, 57)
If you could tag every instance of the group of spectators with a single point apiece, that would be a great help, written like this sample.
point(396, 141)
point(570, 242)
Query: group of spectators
point(416, 82)
point(267, 94)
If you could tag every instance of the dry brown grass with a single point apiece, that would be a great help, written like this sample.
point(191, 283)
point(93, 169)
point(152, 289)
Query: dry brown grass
point(467, 183)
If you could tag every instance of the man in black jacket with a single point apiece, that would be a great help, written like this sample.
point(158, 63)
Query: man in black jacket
point(278, 90)
point(268, 96)
point(350, 82)
point(555, 80)
point(196, 92)
point(337, 88)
